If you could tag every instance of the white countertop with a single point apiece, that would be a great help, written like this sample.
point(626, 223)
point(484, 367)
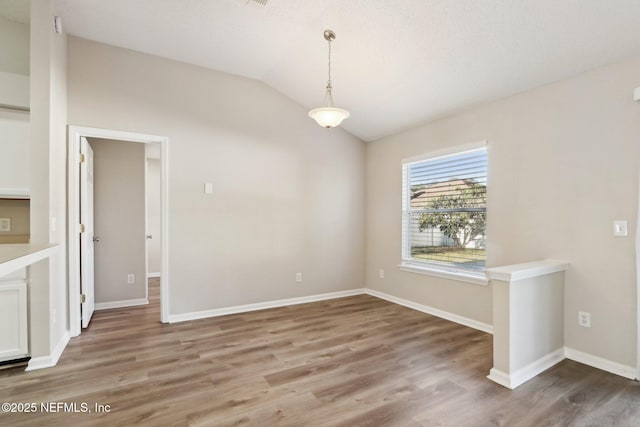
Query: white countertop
point(510, 273)
point(16, 256)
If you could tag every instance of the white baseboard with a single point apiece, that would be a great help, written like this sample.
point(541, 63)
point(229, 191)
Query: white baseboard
point(497, 376)
point(600, 363)
point(183, 317)
point(525, 373)
point(120, 304)
point(150, 275)
point(533, 369)
point(52, 359)
point(484, 327)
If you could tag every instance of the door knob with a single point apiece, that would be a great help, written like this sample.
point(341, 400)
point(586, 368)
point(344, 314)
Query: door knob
point(96, 239)
point(149, 236)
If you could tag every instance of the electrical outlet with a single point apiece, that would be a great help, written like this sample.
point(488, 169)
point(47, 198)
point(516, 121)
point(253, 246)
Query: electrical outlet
point(131, 279)
point(584, 319)
point(5, 224)
point(620, 228)
point(298, 277)
point(381, 273)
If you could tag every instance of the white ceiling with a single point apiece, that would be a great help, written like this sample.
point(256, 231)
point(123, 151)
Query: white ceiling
point(396, 63)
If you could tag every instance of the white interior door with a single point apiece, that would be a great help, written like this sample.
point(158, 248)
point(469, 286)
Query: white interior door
point(86, 238)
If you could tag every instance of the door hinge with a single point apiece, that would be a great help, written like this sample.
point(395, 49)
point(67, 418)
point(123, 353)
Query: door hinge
point(81, 227)
point(83, 298)
point(81, 158)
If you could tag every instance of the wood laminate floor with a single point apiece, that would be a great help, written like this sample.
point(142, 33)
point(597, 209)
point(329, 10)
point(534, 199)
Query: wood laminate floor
point(356, 361)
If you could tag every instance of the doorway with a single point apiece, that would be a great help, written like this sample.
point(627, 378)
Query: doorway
point(76, 135)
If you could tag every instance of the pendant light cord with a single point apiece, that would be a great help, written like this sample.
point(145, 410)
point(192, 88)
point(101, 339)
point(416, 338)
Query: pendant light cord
point(329, 81)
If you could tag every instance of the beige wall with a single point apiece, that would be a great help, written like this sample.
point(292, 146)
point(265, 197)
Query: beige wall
point(14, 45)
point(14, 125)
point(18, 211)
point(288, 196)
point(119, 222)
point(14, 143)
point(563, 165)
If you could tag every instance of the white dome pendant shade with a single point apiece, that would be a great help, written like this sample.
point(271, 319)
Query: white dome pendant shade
point(329, 116)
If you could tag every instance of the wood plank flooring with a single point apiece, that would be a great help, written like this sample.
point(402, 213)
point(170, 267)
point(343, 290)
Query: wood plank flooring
point(357, 361)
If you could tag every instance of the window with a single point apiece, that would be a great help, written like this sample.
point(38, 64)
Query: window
point(445, 211)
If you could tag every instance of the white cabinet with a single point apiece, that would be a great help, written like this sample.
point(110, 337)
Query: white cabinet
point(14, 331)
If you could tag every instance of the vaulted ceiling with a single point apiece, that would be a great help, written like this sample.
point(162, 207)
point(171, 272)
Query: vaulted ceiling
point(396, 63)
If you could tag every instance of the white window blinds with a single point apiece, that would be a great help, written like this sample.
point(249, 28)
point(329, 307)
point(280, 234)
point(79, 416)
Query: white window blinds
point(445, 211)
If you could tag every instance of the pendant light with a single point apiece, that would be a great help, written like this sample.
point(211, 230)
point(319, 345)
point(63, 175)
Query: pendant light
point(329, 116)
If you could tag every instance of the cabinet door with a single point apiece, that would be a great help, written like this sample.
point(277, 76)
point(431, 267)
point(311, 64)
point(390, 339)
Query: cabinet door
point(13, 321)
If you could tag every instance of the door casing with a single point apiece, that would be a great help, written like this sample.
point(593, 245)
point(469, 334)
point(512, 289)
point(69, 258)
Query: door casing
point(75, 133)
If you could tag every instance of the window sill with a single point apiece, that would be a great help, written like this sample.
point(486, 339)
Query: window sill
point(479, 278)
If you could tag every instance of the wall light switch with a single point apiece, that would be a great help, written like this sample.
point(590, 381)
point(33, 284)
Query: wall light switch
point(620, 228)
point(5, 224)
point(208, 188)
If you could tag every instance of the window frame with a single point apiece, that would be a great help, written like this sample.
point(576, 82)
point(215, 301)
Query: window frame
point(408, 264)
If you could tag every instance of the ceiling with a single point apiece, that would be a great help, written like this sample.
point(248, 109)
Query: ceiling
point(396, 63)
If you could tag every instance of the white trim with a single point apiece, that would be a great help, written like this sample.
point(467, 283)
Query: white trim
point(526, 373)
point(499, 377)
point(527, 270)
point(151, 275)
point(465, 321)
point(120, 304)
point(600, 363)
point(20, 255)
point(52, 359)
point(459, 275)
point(449, 151)
point(164, 233)
point(484, 327)
point(75, 133)
point(637, 91)
point(15, 193)
point(183, 317)
point(146, 218)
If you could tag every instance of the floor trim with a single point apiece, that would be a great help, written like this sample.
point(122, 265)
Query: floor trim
point(184, 317)
point(527, 372)
point(120, 304)
point(484, 327)
point(51, 359)
point(600, 363)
